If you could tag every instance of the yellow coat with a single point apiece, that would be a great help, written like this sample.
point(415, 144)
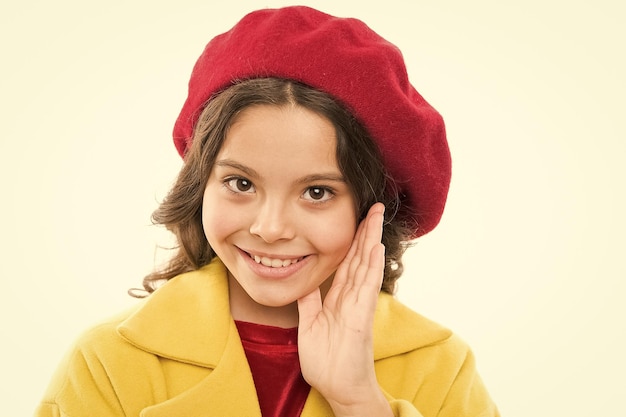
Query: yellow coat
point(179, 354)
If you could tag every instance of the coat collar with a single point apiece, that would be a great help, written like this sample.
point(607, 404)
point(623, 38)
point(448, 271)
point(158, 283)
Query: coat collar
point(188, 319)
point(398, 329)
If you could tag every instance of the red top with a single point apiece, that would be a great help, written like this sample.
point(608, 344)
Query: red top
point(272, 354)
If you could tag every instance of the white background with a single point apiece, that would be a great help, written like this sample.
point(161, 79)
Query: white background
point(527, 264)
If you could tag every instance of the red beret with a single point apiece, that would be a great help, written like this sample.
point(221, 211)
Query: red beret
point(346, 59)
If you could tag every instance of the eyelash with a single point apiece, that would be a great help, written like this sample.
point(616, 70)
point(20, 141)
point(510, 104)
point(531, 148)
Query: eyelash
point(231, 184)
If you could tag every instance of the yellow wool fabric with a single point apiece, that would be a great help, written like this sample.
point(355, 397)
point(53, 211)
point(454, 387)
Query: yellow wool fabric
point(178, 353)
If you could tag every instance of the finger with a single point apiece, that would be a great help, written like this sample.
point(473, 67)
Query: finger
point(359, 240)
point(354, 246)
point(370, 241)
point(349, 268)
point(365, 292)
point(376, 270)
point(343, 271)
point(309, 307)
point(374, 228)
point(368, 227)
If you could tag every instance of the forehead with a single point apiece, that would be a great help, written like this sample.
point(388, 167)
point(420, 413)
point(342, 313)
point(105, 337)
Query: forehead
point(274, 138)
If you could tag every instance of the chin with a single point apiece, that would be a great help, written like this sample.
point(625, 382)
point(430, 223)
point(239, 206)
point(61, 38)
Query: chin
point(273, 302)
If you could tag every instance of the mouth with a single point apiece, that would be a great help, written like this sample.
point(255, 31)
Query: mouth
point(274, 262)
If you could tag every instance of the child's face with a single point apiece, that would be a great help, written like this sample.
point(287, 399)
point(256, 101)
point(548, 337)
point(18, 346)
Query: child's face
point(276, 208)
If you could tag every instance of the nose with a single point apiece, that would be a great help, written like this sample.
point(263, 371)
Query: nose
point(273, 222)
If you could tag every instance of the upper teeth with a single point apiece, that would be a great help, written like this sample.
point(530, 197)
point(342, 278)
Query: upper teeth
point(274, 263)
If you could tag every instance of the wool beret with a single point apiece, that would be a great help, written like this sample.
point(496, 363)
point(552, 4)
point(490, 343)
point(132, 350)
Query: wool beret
point(346, 59)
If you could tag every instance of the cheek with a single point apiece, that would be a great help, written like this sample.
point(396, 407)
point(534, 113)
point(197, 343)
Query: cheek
point(216, 222)
point(335, 235)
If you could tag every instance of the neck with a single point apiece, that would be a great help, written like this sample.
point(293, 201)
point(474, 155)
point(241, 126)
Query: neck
point(253, 312)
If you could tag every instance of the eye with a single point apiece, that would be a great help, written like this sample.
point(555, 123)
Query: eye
point(318, 194)
point(239, 185)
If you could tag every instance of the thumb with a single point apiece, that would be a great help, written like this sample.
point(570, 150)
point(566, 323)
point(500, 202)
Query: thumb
point(309, 308)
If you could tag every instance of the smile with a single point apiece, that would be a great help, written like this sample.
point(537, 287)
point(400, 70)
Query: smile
point(271, 262)
point(274, 262)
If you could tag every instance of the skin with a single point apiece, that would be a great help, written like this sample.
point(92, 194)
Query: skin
point(276, 192)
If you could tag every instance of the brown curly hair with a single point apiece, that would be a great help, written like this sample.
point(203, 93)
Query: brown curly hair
point(357, 156)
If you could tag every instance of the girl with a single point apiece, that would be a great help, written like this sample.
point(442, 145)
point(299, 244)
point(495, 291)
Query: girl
point(310, 162)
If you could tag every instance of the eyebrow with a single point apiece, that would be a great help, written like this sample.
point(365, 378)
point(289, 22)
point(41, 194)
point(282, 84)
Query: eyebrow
point(229, 163)
point(333, 177)
point(321, 177)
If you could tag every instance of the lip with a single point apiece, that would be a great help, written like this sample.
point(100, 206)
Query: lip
point(270, 255)
point(268, 272)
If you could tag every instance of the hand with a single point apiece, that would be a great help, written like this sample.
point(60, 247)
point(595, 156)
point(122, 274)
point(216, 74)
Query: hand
point(335, 338)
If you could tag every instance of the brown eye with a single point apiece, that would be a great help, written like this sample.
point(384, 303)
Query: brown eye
point(318, 194)
point(243, 184)
point(239, 185)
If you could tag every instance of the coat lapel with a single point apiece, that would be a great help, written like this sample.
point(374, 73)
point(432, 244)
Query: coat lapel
point(227, 391)
point(398, 329)
point(188, 320)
